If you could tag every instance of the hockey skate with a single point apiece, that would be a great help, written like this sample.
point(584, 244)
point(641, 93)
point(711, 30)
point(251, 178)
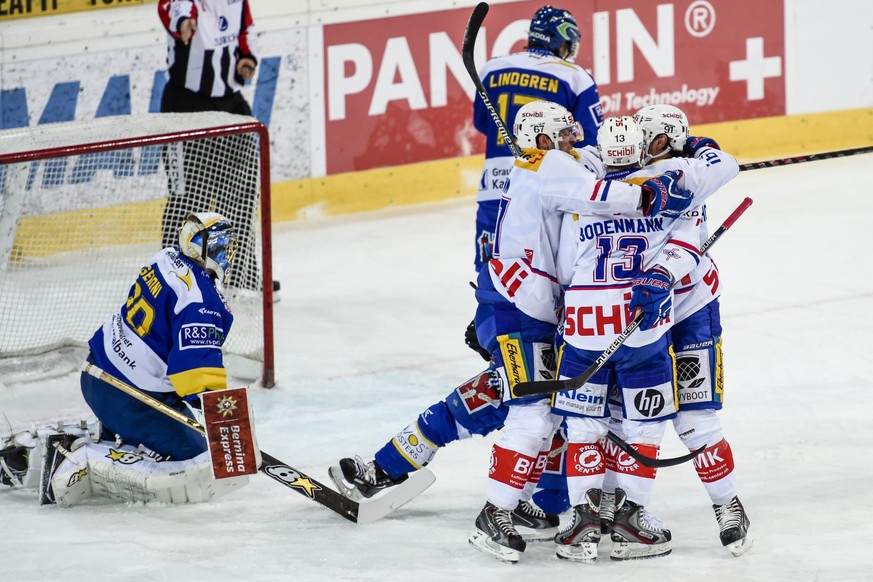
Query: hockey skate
point(357, 479)
point(733, 526)
point(636, 533)
point(496, 536)
point(534, 524)
point(578, 541)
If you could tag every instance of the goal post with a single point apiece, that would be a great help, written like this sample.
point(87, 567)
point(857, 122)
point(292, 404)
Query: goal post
point(85, 204)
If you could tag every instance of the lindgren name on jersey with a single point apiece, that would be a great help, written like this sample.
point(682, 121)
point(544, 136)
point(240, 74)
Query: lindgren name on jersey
point(591, 230)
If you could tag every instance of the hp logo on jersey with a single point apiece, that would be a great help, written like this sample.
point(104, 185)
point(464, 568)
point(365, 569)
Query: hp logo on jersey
point(649, 403)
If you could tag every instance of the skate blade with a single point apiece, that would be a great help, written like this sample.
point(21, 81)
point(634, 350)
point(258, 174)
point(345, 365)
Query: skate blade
point(482, 542)
point(537, 535)
point(632, 551)
point(586, 552)
point(348, 491)
point(740, 547)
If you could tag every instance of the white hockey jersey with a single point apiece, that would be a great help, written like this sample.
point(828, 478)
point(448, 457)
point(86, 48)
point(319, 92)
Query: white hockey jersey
point(611, 251)
point(542, 187)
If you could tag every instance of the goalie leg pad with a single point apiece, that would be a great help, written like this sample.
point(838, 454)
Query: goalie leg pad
point(125, 474)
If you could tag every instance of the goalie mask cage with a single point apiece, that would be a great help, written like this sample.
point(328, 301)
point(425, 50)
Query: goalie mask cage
point(85, 204)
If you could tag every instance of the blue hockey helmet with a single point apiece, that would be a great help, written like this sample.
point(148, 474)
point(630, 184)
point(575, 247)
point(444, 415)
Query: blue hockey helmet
point(550, 28)
point(210, 240)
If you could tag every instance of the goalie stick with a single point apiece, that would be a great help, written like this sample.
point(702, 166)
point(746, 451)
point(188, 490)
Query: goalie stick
point(287, 475)
point(551, 386)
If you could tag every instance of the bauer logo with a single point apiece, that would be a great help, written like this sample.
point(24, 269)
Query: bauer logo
point(200, 335)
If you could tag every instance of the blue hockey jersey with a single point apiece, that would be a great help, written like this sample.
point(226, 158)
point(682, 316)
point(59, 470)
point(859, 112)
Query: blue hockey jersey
point(168, 335)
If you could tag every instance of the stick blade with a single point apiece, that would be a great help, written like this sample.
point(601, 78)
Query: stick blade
point(395, 497)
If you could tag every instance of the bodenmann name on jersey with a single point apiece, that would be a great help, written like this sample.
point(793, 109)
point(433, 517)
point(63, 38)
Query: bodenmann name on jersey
point(514, 78)
point(592, 230)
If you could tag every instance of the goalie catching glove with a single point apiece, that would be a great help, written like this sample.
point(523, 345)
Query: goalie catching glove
point(651, 293)
point(663, 196)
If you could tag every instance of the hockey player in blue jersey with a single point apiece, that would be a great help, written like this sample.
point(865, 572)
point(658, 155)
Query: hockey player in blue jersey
point(166, 341)
point(544, 71)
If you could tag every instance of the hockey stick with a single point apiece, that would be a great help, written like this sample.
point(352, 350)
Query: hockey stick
point(806, 158)
point(470, 34)
point(287, 475)
point(536, 387)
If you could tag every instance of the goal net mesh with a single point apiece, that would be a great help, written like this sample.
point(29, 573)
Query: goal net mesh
point(85, 205)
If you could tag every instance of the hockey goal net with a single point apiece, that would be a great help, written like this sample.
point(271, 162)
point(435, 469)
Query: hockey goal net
point(85, 204)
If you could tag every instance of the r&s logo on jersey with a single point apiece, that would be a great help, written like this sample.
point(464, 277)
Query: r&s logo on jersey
point(200, 335)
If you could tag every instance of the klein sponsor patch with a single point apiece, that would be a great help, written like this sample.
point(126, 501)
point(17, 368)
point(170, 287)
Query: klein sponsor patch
point(200, 335)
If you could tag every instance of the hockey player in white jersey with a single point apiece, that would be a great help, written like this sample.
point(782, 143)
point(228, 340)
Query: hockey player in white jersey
point(620, 265)
point(520, 298)
point(165, 340)
point(697, 330)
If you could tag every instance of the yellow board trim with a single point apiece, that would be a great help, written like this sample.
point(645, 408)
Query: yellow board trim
point(33, 8)
point(353, 192)
point(750, 140)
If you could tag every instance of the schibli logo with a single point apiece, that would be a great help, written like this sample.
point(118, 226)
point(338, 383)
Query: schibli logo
point(625, 151)
point(671, 115)
point(537, 114)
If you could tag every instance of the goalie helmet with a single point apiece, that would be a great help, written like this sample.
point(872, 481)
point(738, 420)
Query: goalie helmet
point(210, 241)
point(551, 27)
point(545, 117)
point(671, 121)
point(620, 141)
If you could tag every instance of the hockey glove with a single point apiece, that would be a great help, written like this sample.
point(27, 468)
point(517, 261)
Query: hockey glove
point(695, 144)
point(663, 196)
point(473, 342)
point(651, 293)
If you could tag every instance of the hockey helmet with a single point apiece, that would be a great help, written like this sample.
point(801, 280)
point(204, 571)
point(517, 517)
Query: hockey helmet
point(210, 241)
point(545, 117)
point(620, 141)
point(551, 27)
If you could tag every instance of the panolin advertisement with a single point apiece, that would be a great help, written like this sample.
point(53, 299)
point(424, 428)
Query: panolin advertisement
point(396, 91)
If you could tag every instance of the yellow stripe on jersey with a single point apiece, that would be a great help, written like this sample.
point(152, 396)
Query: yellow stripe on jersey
point(198, 380)
point(531, 159)
point(638, 181)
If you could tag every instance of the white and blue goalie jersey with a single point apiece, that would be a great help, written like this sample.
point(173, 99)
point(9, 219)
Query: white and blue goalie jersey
point(168, 334)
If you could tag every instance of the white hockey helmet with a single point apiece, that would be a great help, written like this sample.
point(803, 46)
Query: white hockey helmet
point(209, 240)
point(671, 121)
point(545, 117)
point(620, 141)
